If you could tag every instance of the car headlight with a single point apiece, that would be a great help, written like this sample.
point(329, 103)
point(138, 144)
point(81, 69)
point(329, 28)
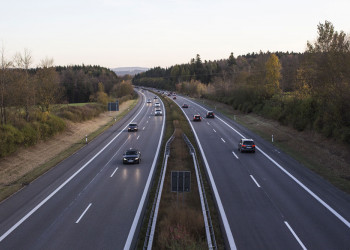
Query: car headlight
point(124, 159)
point(136, 159)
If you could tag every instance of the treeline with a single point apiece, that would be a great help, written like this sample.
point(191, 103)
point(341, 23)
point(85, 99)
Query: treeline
point(30, 97)
point(309, 90)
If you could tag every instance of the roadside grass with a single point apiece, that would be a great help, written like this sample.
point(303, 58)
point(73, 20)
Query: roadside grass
point(326, 157)
point(8, 190)
point(180, 223)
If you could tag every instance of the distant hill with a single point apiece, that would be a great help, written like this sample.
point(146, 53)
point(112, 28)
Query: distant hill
point(121, 71)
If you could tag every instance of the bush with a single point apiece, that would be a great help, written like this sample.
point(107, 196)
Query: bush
point(81, 113)
point(10, 139)
point(30, 135)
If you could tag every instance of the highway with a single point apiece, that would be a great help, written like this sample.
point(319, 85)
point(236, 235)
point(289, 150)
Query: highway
point(267, 200)
point(90, 200)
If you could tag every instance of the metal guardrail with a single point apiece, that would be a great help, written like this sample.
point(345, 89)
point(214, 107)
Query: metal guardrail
point(205, 208)
point(154, 212)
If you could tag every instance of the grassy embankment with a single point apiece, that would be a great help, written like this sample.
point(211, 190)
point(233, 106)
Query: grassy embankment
point(180, 223)
point(326, 157)
point(9, 189)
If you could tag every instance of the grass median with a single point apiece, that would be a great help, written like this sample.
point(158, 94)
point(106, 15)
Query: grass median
point(180, 223)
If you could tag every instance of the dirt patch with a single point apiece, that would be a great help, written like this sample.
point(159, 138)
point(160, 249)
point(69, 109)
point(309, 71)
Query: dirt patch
point(26, 159)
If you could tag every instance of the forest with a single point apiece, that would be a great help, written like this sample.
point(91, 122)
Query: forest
point(35, 101)
point(309, 90)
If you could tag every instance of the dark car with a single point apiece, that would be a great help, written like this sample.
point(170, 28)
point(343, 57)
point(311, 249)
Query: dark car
point(210, 114)
point(246, 145)
point(133, 127)
point(155, 97)
point(197, 118)
point(132, 155)
point(174, 97)
point(184, 105)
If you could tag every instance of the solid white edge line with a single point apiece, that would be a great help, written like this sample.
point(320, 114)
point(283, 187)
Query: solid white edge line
point(145, 191)
point(235, 155)
point(114, 172)
point(155, 216)
point(335, 213)
point(226, 225)
point(254, 180)
point(206, 224)
point(62, 185)
point(81, 216)
point(295, 235)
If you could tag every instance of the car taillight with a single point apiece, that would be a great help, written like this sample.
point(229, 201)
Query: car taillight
point(243, 146)
point(253, 146)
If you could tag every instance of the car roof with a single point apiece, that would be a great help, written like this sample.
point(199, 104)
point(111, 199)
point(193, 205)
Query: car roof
point(132, 124)
point(247, 139)
point(132, 150)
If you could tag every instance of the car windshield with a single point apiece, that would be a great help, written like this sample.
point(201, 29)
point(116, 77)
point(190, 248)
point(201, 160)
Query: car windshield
point(132, 125)
point(248, 143)
point(131, 152)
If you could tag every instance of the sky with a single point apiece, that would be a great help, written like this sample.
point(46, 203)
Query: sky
point(151, 33)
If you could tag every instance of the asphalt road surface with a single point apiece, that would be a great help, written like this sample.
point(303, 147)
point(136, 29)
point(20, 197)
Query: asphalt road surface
point(267, 200)
point(90, 200)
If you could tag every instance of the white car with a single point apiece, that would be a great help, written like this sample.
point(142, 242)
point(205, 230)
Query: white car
point(149, 101)
point(157, 104)
point(158, 112)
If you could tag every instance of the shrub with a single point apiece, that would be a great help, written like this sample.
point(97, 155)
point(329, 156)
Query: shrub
point(30, 135)
point(10, 139)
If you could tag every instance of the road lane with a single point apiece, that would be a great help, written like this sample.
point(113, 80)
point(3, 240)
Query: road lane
point(114, 200)
point(258, 217)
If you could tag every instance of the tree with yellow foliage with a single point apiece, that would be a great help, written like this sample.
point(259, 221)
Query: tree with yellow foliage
point(102, 97)
point(273, 76)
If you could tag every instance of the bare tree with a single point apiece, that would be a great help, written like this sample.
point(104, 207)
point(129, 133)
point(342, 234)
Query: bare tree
point(27, 91)
point(47, 85)
point(4, 80)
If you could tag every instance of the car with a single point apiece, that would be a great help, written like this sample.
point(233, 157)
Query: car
point(210, 114)
point(157, 104)
point(155, 97)
point(197, 118)
point(149, 101)
point(174, 97)
point(132, 155)
point(246, 145)
point(133, 127)
point(184, 105)
point(158, 112)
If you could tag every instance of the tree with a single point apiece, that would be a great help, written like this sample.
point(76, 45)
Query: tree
point(273, 75)
point(102, 97)
point(231, 60)
point(4, 84)
point(326, 71)
point(48, 89)
point(26, 90)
